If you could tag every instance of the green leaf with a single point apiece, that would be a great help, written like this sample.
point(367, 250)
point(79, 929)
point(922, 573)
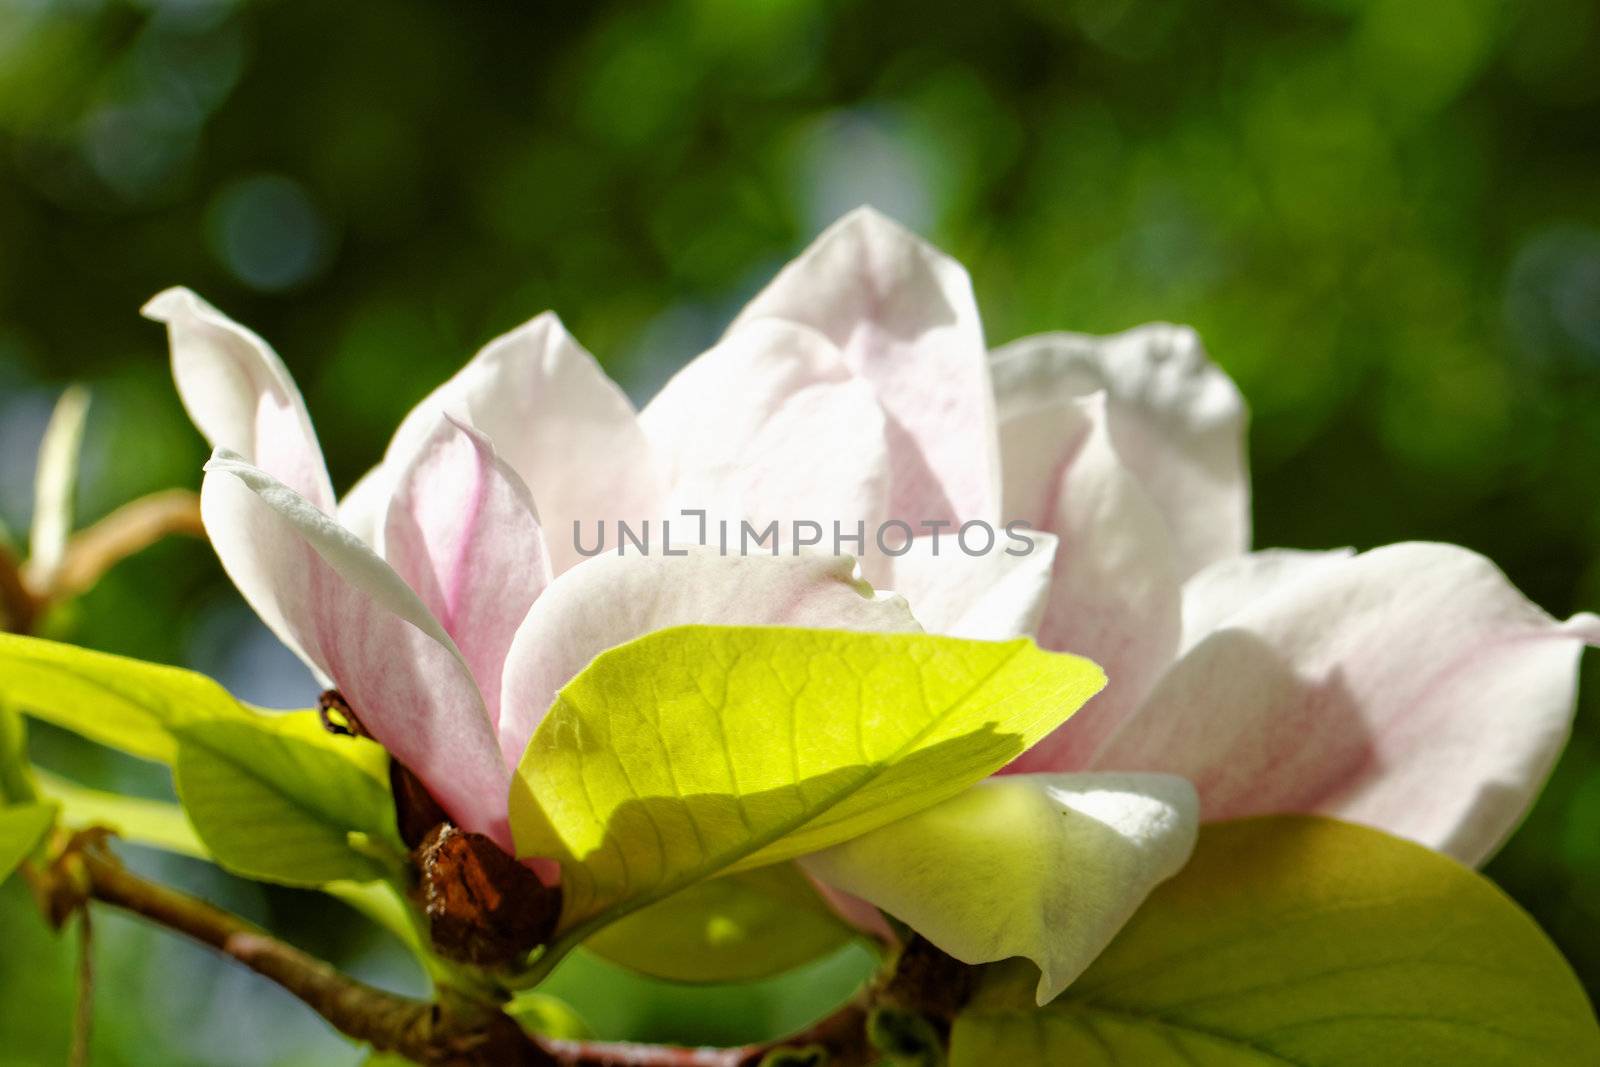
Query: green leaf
point(16, 783)
point(21, 828)
point(703, 749)
point(540, 1013)
point(736, 928)
point(1296, 940)
point(275, 803)
point(153, 823)
point(271, 795)
point(122, 703)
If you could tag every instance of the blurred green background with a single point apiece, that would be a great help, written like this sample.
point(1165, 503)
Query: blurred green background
point(1383, 217)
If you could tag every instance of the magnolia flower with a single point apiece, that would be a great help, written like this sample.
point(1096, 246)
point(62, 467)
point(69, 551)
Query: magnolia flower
point(1410, 688)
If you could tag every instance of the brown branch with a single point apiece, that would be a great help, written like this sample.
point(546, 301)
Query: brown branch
point(450, 1032)
point(131, 528)
point(19, 608)
point(453, 1031)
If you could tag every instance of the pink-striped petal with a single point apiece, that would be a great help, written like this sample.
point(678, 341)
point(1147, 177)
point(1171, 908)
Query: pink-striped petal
point(240, 395)
point(556, 420)
point(462, 531)
point(358, 624)
point(771, 425)
point(1114, 594)
point(903, 314)
point(1410, 688)
point(989, 588)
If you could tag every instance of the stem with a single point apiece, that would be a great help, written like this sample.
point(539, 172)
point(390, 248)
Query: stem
point(454, 1031)
point(83, 1016)
point(18, 606)
point(131, 528)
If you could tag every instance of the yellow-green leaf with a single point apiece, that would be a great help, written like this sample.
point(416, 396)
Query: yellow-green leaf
point(21, 827)
point(153, 823)
point(123, 703)
point(703, 749)
point(737, 928)
point(276, 803)
point(1296, 940)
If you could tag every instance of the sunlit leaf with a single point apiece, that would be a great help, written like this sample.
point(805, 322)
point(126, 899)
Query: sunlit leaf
point(699, 750)
point(16, 785)
point(271, 804)
point(153, 823)
point(21, 828)
point(1296, 940)
point(540, 1013)
point(736, 928)
point(122, 703)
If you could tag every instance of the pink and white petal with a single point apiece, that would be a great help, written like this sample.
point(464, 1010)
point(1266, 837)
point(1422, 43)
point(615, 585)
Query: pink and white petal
point(771, 425)
point(240, 395)
point(1410, 688)
point(1114, 595)
point(1177, 421)
point(903, 314)
point(462, 531)
point(1230, 585)
point(610, 600)
point(565, 428)
point(1078, 854)
point(361, 510)
point(989, 596)
point(362, 628)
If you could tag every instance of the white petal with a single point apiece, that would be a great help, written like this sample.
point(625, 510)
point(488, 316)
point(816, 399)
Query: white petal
point(903, 314)
point(240, 395)
point(770, 424)
point(987, 597)
point(1047, 867)
point(610, 600)
point(462, 531)
point(1230, 585)
point(556, 419)
point(358, 624)
point(1410, 688)
point(1114, 594)
point(1177, 420)
point(362, 509)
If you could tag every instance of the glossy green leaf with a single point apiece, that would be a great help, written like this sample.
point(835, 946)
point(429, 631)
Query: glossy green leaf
point(122, 703)
point(703, 749)
point(737, 928)
point(21, 828)
point(153, 823)
point(1296, 940)
point(16, 784)
point(540, 1013)
point(275, 803)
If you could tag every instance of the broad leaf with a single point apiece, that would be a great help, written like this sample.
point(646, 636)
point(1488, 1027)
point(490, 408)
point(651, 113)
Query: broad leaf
point(271, 795)
point(1296, 940)
point(21, 828)
point(122, 703)
point(736, 928)
point(702, 749)
point(16, 785)
point(153, 823)
point(274, 803)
